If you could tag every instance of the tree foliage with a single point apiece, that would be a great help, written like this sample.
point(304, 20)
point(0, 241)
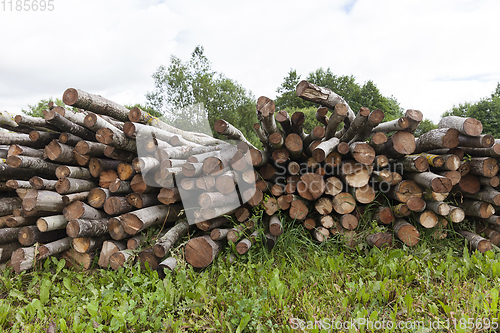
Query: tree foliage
point(36, 110)
point(356, 95)
point(425, 126)
point(486, 110)
point(182, 87)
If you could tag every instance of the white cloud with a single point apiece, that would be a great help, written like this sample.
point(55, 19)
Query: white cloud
point(429, 54)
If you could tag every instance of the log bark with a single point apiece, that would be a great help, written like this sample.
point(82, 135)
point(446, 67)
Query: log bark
point(298, 209)
point(359, 120)
point(201, 251)
point(30, 235)
point(121, 258)
point(384, 215)
point(15, 149)
point(400, 143)
point(20, 221)
point(66, 125)
point(74, 185)
point(355, 174)
point(406, 232)
point(487, 194)
point(168, 196)
point(6, 250)
point(9, 235)
point(265, 113)
point(22, 259)
point(117, 206)
point(69, 139)
point(216, 199)
point(466, 126)
point(125, 171)
point(39, 183)
point(477, 208)
point(141, 219)
point(339, 113)
point(320, 234)
point(230, 132)
point(80, 210)
point(53, 248)
point(439, 207)
point(49, 223)
point(211, 224)
point(41, 200)
point(115, 228)
point(482, 141)
point(98, 196)
point(362, 152)
point(476, 242)
point(414, 117)
point(431, 181)
point(405, 190)
point(311, 186)
point(59, 152)
point(89, 244)
point(32, 163)
point(120, 186)
point(483, 166)
point(374, 118)
point(116, 138)
point(380, 240)
point(245, 244)
point(437, 138)
point(165, 243)
point(393, 125)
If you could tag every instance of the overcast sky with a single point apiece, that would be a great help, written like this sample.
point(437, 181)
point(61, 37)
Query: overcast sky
point(429, 54)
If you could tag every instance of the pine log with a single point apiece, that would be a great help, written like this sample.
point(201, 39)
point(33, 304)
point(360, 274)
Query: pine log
point(380, 240)
point(201, 251)
point(141, 219)
point(466, 126)
point(80, 210)
point(406, 232)
point(165, 243)
point(476, 242)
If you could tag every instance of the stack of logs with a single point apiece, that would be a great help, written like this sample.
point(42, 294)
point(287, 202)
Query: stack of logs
point(73, 183)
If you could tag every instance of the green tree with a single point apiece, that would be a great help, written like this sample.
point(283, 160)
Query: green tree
point(145, 108)
point(355, 95)
point(182, 87)
point(36, 110)
point(486, 110)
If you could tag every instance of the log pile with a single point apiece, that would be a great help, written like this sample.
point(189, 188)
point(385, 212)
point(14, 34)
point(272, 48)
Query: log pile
point(97, 179)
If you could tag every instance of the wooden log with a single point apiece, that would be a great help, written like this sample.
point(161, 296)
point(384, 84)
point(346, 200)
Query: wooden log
point(169, 263)
point(482, 141)
point(80, 210)
point(333, 186)
point(493, 181)
point(323, 96)
point(320, 234)
point(437, 138)
point(90, 148)
point(381, 161)
point(275, 226)
point(23, 139)
point(414, 117)
point(344, 203)
point(168, 196)
point(6, 250)
point(355, 174)
point(298, 119)
point(466, 126)
point(339, 112)
point(464, 168)
point(326, 221)
point(413, 163)
point(82, 160)
point(364, 194)
point(74, 185)
point(374, 118)
point(69, 139)
point(117, 206)
point(136, 221)
point(20, 221)
point(119, 154)
point(427, 219)
point(32, 163)
point(456, 214)
point(125, 171)
point(325, 148)
point(405, 190)
point(30, 235)
point(377, 140)
point(362, 152)
point(120, 186)
point(494, 220)
point(121, 258)
point(294, 145)
point(265, 113)
point(22, 259)
point(431, 181)
point(454, 176)
point(477, 208)
point(435, 161)
point(9, 235)
point(476, 242)
point(216, 199)
point(493, 151)
point(384, 215)
point(53, 248)
point(208, 225)
point(230, 132)
point(406, 232)
point(49, 223)
point(59, 152)
point(55, 119)
point(165, 243)
point(323, 206)
point(97, 165)
point(355, 126)
point(116, 138)
point(18, 184)
point(380, 240)
point(487, 194)
point(349, 221)
point(115, 228)
point(298, 209)
point(98, 196)
point(15, 149)
point(41, 200)
point(483, 166)
point(201, 251)
point(65, 171)
point(400, 143)
point(39, 183)
point(88, 244)
point(137, 184)
point(491, 234)
point(468, 184)
point(311, 186)
point(95, 103)
point(260, 133)
point(245, 244)
point(401, 210)
point(439, 207)
point(399, 124)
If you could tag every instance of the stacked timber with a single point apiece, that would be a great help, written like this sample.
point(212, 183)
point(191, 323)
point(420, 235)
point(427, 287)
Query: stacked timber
point(95, 178)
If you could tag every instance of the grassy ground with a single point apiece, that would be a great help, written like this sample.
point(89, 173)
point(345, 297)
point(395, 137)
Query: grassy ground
point(300, 285)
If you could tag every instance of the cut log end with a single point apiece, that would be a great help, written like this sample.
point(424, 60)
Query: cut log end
point(70, 96)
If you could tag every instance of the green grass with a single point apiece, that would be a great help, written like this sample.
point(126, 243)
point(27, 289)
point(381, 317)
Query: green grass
point(298, 281)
